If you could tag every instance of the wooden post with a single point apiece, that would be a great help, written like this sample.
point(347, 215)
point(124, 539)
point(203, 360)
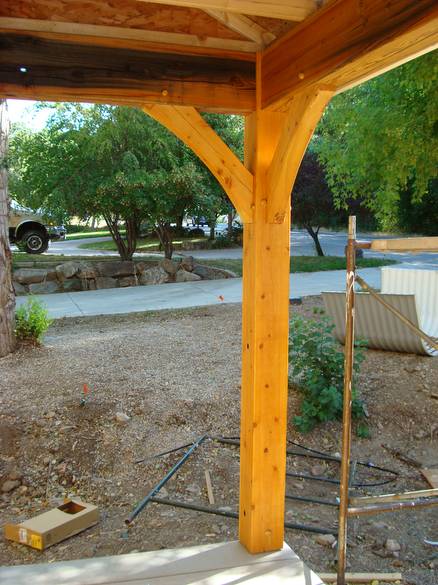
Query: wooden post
point(346, 414)
point(7, 296)
point(264, 351)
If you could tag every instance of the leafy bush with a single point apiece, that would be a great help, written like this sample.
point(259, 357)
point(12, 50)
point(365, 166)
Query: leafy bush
point(31, 321)
point(317, 369)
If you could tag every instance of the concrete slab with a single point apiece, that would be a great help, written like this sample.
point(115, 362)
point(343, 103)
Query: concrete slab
point(214, 564)
point(183, 295)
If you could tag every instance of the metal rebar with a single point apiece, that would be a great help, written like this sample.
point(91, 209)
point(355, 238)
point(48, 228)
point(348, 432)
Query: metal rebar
point(229, 514)
point(141, 505)
point(319, 501)
point(392, 506)
point(346, 412)
point(384, 498)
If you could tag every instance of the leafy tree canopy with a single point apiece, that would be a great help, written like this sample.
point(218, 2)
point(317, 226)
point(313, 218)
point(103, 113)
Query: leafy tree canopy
point(381, 137)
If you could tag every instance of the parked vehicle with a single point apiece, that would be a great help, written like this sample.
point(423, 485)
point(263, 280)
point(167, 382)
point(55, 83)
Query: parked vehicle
point(30, 234)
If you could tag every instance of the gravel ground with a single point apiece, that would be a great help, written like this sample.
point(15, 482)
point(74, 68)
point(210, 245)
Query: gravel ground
point(176, 374)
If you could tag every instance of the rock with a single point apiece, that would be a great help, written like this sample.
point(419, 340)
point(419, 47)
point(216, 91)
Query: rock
point(105, 282)
point(19, 288)
point(156, 275)
point(116, 269)
point(194, 489)
point(185, 276)
point(122, 418)
point(10, 485)
point(67, 270)
point(187, 263)
point(317, 470)
point(140, 267)
point(169, 266)
point(326, 539)
point(33, 275)
point(212, 273)
point(128, 281)
point(73, 284)
point(44, 288)
point(86, 271)
point(392, 545)
point(14, 475)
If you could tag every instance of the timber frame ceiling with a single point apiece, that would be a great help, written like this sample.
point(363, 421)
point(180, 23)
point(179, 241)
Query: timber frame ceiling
point(201, 53)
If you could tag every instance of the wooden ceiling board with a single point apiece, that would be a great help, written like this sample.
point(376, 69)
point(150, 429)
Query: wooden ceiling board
point(121, 13)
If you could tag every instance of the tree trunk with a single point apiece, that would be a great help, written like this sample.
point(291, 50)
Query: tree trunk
point(7, 296)
point(165, 236)
point(124, 248)
point(230, 223)
point(314, 235)
point(212, 224)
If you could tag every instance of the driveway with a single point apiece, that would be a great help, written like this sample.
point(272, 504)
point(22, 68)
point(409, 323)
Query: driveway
point(333, 244)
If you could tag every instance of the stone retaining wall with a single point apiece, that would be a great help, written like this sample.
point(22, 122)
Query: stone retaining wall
point(78, 276)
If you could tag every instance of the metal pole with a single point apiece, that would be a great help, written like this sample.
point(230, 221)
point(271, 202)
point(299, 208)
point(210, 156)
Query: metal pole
point(165, 479)
point(346, 413)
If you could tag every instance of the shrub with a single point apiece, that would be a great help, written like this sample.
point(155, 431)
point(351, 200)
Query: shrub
point(317, 369)
point(31, 321)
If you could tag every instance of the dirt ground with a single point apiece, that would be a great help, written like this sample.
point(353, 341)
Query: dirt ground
point(177, 375)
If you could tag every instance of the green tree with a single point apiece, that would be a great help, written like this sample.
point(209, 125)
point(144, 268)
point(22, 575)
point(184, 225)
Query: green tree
point(106, 161)
point(380, 138)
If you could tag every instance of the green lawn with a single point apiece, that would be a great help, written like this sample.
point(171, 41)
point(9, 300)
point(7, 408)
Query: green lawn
point(143, 245)
point(305, 263)
point(82, 235)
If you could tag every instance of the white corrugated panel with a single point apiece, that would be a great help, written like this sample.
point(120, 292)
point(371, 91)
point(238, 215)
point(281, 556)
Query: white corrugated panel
point(378, 326)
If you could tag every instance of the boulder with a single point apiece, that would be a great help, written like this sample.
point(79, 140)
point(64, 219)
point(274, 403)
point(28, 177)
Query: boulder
point(10, 485)
point(116, 268)
point(32, 275)
point(326, 539)
point(185, 276)
point(169, 266)
point(156, 275)
point(128, 281)
point(212, 273)
point(44, 288)
point(187, 263)
point(67, 270)
point(20, 289)
point(86, 271)
point(72, 284)
point(105, 282)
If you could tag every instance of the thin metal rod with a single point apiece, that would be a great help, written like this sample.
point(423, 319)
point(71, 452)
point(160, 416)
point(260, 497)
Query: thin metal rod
point(163, 453)
point(394, 497)
point(392, 506)
point(228, 514)
point(346, 412)
point(336, 481)
point(165, 479)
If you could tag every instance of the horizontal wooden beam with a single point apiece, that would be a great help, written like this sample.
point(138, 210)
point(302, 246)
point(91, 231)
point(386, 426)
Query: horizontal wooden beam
point(193, 130)
point(345, 43)
point(166, 39)
point(35, 68)
point(421, 244)
point(285, 9)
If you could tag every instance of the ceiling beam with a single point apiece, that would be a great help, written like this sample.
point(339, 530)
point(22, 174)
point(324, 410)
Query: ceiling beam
point(346, 43)
point(244, 26)
point(295, 10)
point(131, 34)
point(35, 68)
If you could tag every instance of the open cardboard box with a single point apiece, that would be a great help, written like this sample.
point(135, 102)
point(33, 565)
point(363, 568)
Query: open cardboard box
point(51, 527)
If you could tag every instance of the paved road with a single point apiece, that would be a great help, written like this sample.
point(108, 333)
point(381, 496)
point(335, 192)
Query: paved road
point(183, 295)
point(333, 244)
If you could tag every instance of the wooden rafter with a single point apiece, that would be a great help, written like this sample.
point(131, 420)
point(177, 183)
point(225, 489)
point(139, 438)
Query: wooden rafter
point(295, 10)
point(347, 42)
point(115, 32)
point(244, 26)
point(193, 130)
point(35, 68)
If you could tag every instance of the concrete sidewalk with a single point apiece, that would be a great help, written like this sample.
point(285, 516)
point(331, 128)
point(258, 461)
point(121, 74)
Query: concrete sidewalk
point(182, 295)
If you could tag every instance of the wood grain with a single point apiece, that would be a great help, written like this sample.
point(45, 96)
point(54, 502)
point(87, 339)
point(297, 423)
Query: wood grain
point(140, 76)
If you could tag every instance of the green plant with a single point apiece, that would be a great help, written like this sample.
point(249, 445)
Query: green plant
point(31, 321)
point(317, 369)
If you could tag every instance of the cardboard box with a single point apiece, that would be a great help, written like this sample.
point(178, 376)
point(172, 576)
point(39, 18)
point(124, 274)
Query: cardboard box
point(51, 527)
